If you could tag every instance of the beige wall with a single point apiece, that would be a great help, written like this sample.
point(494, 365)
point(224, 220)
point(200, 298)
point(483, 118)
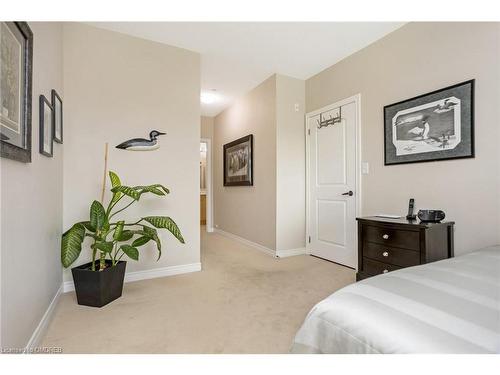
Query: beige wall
point(290, 163)
point(272, 212)
point(31, 209)
point(207, 127)
point(418, 58)
point(119, 87)
point(249, 211)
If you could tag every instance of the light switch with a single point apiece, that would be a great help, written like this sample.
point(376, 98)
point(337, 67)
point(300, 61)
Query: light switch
point(365, 168)
point(296, 107)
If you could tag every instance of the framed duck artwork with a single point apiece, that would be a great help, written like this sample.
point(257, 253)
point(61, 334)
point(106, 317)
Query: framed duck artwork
point(435, 126)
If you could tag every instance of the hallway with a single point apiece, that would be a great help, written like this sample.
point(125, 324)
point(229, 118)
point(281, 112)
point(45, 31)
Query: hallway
point(243, 301)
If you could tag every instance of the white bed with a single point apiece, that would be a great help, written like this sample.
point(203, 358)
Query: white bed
point(450, 306)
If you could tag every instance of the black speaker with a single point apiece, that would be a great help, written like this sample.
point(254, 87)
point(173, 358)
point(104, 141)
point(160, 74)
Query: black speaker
point(431, 216)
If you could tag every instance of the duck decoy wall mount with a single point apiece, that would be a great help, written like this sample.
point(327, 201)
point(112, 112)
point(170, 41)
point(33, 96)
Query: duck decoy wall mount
point(142, 144)
point(322, 123)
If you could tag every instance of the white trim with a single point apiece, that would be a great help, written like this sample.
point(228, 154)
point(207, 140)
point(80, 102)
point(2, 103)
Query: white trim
point(209, 187)
point(154, 273)
point(359, 175)
point(40, 330)
point(357, 100)
point(244, 241)
point(290, 252)
point(308, 150)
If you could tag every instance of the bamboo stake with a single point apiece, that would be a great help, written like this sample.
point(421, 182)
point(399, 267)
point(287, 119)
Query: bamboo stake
point(105, 171)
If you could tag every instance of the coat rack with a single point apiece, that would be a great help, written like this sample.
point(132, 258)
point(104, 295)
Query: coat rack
point(331, 121)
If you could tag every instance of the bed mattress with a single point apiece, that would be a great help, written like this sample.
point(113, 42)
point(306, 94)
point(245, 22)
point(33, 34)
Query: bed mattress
point(449, 306)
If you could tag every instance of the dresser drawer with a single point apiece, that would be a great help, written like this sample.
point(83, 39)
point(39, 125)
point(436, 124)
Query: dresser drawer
point(392, 237)
point(392, 255)
point(374, 267)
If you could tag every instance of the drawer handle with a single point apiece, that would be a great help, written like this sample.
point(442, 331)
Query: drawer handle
point(385, 271)
point(385, 253)
point(385, 236)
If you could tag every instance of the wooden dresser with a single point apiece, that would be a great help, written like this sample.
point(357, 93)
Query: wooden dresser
point(386, 245)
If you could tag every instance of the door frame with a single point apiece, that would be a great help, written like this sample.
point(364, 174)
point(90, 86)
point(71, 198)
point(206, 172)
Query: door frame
point(356, 99)
point(209, 189)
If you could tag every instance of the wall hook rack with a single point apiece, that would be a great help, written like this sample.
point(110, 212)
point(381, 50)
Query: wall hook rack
point(330, 121)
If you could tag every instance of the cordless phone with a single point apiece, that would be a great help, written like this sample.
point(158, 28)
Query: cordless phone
point(411, 215)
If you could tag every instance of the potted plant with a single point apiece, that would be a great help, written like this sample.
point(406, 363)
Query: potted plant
point(100, 281)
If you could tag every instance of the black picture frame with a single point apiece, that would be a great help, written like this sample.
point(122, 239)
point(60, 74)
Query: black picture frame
point(244, 146)
point(451, 110)
point(9, 150)
point(55, 99)
point(46, 128)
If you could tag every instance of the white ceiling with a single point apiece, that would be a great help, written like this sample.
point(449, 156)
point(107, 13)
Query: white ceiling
point(236, 57)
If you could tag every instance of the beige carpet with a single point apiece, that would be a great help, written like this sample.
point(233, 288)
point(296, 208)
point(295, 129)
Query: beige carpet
point(243, 301)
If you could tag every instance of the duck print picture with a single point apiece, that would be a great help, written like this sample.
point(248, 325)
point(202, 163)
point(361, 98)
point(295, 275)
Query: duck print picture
point(430, 127)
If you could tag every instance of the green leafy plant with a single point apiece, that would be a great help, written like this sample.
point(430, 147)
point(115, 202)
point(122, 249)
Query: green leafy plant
point(113, 239)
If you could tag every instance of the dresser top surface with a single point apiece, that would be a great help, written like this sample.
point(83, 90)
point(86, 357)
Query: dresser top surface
point(402, 221)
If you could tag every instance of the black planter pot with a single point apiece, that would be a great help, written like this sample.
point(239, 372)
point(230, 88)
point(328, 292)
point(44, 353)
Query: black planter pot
point(98, 288)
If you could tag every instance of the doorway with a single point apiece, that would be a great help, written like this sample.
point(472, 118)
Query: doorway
point(206, 196)
point(333, 181)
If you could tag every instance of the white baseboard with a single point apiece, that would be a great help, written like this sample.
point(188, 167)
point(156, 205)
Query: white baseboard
point(290, 252)
point(244, 241)
point(68, 286)
point(40, 330)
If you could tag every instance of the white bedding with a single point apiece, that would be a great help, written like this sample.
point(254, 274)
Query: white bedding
point(450, 306)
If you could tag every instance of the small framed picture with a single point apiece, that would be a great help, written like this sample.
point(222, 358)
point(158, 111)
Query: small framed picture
point(57, 119)
point(46, 127)
point(435, 126)
point(238, 162)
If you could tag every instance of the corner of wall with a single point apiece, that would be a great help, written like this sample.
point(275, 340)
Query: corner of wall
point(290, 165)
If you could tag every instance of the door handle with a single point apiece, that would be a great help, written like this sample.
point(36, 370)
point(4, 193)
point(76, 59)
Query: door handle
point(349, 193)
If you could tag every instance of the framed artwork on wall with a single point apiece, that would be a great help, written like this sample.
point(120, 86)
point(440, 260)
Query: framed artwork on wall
point(57, 105)
point(46, 127)
point(238, 162)
point(434, 126)
point(16, 67)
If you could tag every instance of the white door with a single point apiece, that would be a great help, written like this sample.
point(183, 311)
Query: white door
point(332, 185)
